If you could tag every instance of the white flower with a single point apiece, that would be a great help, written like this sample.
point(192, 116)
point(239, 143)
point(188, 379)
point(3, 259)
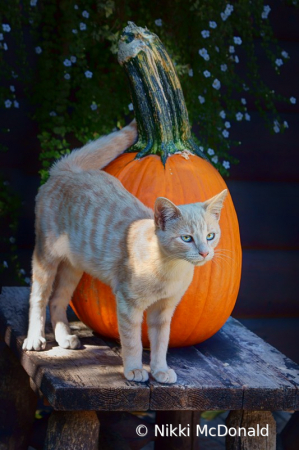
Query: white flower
point(1, 37)
point(212, 24)
point(237, 40)
point(67, 76)
point(293, 100)
point(8, 103)
point(215, 159)
point(85, 14)
point(223, 16)
point(229, 9)
point(284, 54)
point(225, 133)
point(131, 107)
point(203, 52)
point(246, 88)
point(276, 128)
point(5, 46)
point(201, 99)
point(247, 117)
point(93, 106)
point(266, 11)
point(33, 2)
point(13, 74)
point(16, 104)
point(27, 280)
point(239, 116)
point(211, 151)
point(52, 114)
point(22, 271)
point(227, 124)
point(207, 74)
point(223, 67)
point(226, 164)
point(243, 101)
point(236, 59)
point(201, 148)
point(222, 114)
point(6, 27)
point(75, 31)
point(158, 22)
point(279, 62)
point(12, 88)
point(82, 26)
point(216, 84)
point(231, 49)
point(88, 74)
point(76, 7)
point(190, 73)
point(67, 63)
point(5, 264)
point(38, 50)
point(217, 49)
point(73, 59)
point(285, 124)
point(205, 34)
point(12, 240)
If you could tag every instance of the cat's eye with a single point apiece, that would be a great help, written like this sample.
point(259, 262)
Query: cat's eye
point(187, 238)
point(210, 236)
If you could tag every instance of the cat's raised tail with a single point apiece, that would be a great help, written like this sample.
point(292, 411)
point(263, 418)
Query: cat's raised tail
point(99, 153)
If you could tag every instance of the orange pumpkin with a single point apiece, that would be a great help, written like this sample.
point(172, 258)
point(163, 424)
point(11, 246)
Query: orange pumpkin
point(212, 294)
point(164, 130)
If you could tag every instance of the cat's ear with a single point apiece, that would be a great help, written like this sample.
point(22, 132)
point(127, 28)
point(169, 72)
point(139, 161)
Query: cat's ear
point(215, 204)
point(165, 210)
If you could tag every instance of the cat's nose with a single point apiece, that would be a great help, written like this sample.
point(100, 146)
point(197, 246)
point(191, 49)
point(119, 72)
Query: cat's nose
point(203, 254)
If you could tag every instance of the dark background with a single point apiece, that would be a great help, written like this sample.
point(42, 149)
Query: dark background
point(264, 187)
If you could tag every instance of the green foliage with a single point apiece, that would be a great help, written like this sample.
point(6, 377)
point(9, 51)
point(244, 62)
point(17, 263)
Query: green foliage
point(79, 91)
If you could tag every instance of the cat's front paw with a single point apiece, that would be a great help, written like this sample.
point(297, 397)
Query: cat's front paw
point(69, 341)
point(36, 343)
point(165, 376)
point(136, 375)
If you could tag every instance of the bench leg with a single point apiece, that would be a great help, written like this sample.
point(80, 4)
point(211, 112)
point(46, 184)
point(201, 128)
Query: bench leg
point(254, 420)
point(73, 430)
point(17, 402)
point(178, 419)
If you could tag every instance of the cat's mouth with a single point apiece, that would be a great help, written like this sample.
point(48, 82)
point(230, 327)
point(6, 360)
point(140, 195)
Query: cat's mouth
point(199, 262)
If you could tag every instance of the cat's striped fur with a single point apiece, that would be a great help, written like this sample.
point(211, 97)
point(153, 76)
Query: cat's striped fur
point(87, 222)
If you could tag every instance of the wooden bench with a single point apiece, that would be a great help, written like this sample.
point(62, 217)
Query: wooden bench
point(234, 370)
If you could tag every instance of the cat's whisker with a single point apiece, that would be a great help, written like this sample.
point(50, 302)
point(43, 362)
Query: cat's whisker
point(222, 259)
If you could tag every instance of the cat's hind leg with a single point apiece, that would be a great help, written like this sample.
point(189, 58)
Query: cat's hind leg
point(43, 273)
point(129, 326)
point(66, 280)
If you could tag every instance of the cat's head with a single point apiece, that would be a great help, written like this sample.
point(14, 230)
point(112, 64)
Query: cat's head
point(190, 232)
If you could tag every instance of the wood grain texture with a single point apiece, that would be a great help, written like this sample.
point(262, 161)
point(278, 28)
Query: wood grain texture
point(263, 440)
point(17, 402)
point(72, 431)
point(234, 369)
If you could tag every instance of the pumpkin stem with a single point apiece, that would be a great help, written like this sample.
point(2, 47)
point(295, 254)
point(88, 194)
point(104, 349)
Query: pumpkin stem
point(157, 96)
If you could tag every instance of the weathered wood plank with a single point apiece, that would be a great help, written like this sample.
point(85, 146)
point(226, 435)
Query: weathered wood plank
point(260, 423)
point(269, 379)
point(232, 370)
point(90, 378)
point(72, 431)
point(17, 402)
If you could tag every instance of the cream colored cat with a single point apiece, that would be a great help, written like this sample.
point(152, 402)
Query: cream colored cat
point(87, 221)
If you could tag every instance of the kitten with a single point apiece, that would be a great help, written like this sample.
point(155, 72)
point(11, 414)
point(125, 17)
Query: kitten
point(86, 221)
